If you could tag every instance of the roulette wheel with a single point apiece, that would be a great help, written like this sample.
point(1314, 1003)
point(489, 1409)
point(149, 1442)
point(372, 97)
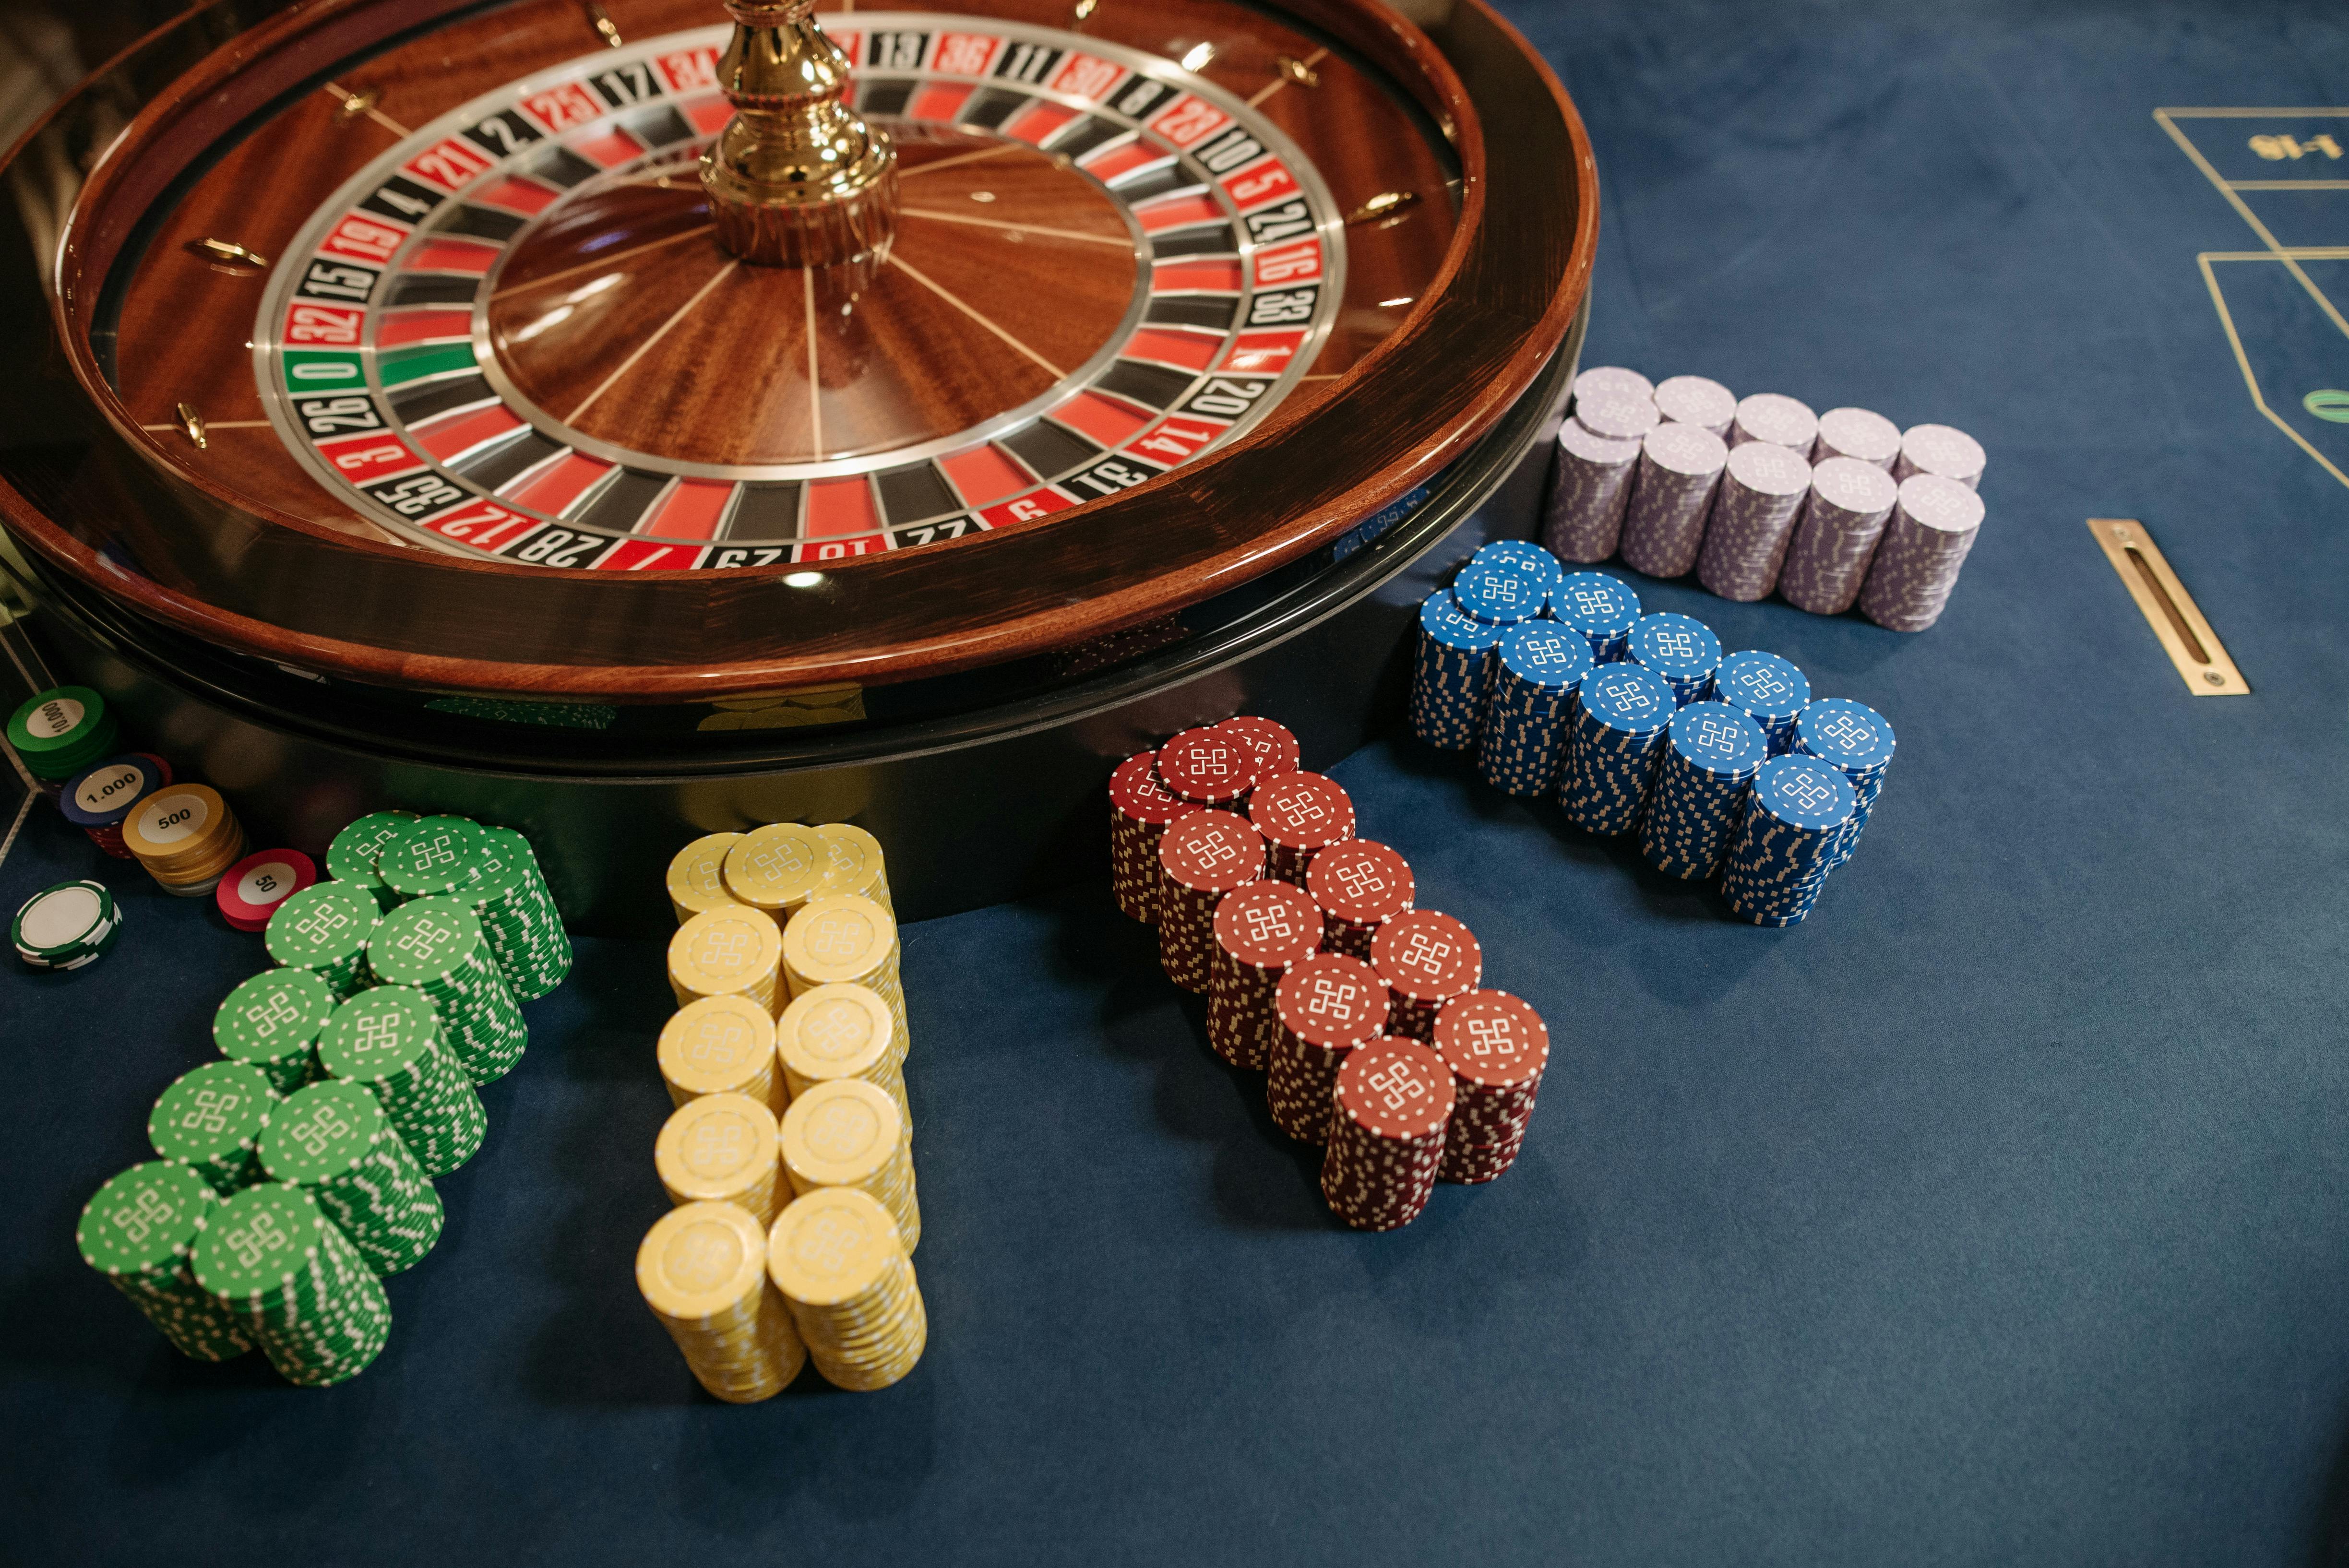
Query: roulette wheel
point(638, 419)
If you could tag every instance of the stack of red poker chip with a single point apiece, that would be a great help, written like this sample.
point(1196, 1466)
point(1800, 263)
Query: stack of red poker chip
point(1260, 930)
point(1300, 814)
point(1140, 807)
point(250, 890)
point(1390, 1112)
point(1360, 885)
point(1274, 746)
point(1425, 959)
point(1210, 768)
point(1328, 1004)
point(1200, 857)
point(1496, 1046)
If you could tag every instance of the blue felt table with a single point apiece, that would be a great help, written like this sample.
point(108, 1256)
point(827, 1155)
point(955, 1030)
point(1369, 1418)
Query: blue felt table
point(1995, 1215)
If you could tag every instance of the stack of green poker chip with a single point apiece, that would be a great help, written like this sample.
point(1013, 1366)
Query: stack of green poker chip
point(352, 857)
point(61, 732)
point(334, 1140)
point(517, 912)
point(137, 1230)
point(325, 929)
point(437, 945)
point(66, 926)
point(210, 1119)
point(273, 1021)
point(387, 1041)
point(300, 1287)
point(432, 857)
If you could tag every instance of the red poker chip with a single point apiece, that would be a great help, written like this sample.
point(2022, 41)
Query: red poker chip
point(1136, 794)
point(1360, 881)
point(1209, 767)
point(1491, 1039)
point(1303, 811)
point(1426, 956)
point(252, 888)
point(1269, 924)
point(1333, 1001)
point(1395, 1090)
point(1274, 746)
point(1211, 851)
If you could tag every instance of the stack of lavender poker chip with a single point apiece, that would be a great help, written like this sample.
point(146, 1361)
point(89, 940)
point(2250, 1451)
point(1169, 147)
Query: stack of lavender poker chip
point(1452, 674)
point(1601, 382)
point(1857, 742)
point(1768, 690)
point(1711, 754)
point(1777, 418)
point(1590, 486)
point(1679, 470)
point(1941, 452)
point(1695, 400)
point(1620, 726)
point(1859, 434)
point(1679, 648)
point(1917, 561)
point(1602, 608)
point(1762, 496)
point(1795, 815)
point(1540, 663)
point(1851, 500)
point(1617, 417)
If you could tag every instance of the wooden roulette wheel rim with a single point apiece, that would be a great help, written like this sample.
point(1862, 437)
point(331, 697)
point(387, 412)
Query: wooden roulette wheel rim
point(346, 603)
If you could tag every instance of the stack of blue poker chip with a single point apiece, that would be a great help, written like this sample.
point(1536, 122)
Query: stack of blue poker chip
point(1499, 591)
point(1602, 608)
point(1768, 690)
point(1855, 740)
point(1711, 753)
point(1540, 664)
point(1522, 556)
point(1618, 733)
point(1794, 815)
point(1451, 675)
point(1679, 648)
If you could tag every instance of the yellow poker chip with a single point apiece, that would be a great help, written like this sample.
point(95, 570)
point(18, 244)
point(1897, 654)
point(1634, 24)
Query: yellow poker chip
point(840, 1134)
point(832, 1246)
point(839, 937)
point(719, 1149)
point(696, 876)
point(701, 1261)
point(836, 1031)
point(856, 866)
point(719, 1045)
point(721, 952)
point(776, 868)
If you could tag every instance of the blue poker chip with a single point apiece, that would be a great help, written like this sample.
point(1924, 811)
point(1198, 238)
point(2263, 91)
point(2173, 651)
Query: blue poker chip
point(1763, 684)
point(1521, 555)
point(1500, 592)
point(1600, 607)
point(1803, 792)
point(1679, 648)
point(1628, 699)
point(1844, 734)
point(103, 796)
point(1445, 626)
point(1545, 655)
point(1715, 738)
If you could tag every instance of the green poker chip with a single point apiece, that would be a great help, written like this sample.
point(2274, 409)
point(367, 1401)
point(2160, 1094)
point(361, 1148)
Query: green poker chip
point(66, 926)
point(61, 732)
point(432, 857)
point(210, 1119)
point(353, 854)
point(273, 1022)
point(137, 1230)
point(325, 929)
point(518, 913)
point(387, 1040)
point(336, 1139)
point(298, 1286)
point(438, 946)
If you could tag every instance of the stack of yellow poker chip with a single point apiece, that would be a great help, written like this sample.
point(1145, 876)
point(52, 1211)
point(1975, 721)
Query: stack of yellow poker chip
point(844, 939)
point(776, 868)
point(720, 1045)
point(729, 952)
point(720, 1148)
point(847, 1133)
point(697, 877)
point(702, 1269)
point(842, 1032)
point(185, 835)
point(836, 1256)
point(857, 865)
